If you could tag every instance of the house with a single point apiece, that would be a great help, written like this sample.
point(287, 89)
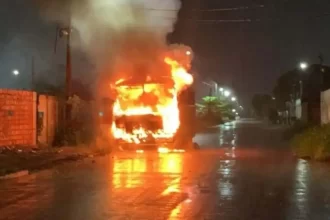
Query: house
point(315, 80)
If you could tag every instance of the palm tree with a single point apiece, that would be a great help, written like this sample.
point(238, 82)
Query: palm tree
point(214, 109)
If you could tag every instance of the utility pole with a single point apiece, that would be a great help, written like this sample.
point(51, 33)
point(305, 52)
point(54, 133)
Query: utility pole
point(32, 74)
point(66, 32)
point(321, 58)
point(68, 77)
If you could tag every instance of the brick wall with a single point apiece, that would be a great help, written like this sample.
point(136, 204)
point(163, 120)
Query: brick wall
point(17, 117)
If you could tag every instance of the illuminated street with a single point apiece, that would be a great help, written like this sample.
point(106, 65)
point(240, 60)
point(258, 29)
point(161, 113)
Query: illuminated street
point(241, 172)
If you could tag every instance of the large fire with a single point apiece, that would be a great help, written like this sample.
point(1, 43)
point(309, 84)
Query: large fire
point(155, 100)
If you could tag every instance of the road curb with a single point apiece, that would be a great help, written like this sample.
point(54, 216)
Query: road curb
point(15, 175)
point(52, 163)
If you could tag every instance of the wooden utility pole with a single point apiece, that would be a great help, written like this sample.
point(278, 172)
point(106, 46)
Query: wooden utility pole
point(68, 76)
point(32, 74)
point(66, 32)
point(321, 58)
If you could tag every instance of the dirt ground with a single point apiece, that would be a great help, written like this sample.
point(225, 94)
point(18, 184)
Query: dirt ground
point(14, 159)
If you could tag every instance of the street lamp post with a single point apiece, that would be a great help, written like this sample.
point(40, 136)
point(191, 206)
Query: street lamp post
point(303, 66)
point(66, 32)
point(221, 91)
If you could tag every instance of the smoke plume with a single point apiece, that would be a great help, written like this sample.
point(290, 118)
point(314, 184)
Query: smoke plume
point(101, 26)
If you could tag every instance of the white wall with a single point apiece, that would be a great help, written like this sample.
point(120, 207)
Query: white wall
point(298, 107)
point(325, 107)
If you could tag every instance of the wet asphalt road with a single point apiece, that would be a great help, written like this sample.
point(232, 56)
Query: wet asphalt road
point(243, 171)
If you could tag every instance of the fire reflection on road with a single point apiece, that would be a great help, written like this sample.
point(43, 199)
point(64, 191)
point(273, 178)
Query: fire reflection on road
point(132, 172)
point(161, 173)
point(127, 172)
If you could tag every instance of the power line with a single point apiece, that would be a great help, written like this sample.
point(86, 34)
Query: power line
point(227, 20)
point(246, 20)
point(230, 9)
point(208, 10)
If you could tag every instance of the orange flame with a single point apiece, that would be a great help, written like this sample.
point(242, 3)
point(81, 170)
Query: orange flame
point(156, 98)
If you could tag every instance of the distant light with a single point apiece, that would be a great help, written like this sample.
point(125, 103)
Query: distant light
point(273, 98)
point(241, 107)
point(101, 114)
point(236, 113)
point(221, 89)
point(188, 52)
point(15, 72)
point(233, 99)
point(303, 65)
point(227, 93)
point(234, 110)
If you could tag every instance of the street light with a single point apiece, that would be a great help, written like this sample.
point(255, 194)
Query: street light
point(303, 65)
point(15, 72)
point(233, 99)
point(221, 89)
point(227, 93)
point(234, 110)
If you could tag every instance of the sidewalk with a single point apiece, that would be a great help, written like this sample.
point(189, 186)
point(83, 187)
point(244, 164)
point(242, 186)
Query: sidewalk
point(21, 161)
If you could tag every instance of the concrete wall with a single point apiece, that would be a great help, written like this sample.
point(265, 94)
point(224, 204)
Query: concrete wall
point(48, 116)
point(17, 117)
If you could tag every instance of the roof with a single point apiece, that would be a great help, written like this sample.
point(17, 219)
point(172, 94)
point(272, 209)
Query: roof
point(137, 82)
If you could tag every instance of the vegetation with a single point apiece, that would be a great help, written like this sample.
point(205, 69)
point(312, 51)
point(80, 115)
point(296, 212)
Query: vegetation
point(297, 128)
point(214, 110)
point(285, 87)
point(80, 128)
point(264, 107)
point(313, 143)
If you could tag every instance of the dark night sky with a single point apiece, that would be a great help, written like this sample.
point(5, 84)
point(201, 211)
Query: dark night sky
point(250, 56)
point(246, 56)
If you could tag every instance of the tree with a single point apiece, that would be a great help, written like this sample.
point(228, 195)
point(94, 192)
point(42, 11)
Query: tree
point(83, 91)
point(44, 87)
point(261, 104)
point(285, 87)
point(214, 109)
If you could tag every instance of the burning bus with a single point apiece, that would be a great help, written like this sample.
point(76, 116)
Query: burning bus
point(146, 110)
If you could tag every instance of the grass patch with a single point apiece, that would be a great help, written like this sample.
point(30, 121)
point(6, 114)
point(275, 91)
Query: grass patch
point(313, 143)
point(297, 128)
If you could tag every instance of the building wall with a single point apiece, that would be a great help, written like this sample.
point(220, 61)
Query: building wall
point(325, 107)
point(17, 117)
point(48, 119)
point(298, 109)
